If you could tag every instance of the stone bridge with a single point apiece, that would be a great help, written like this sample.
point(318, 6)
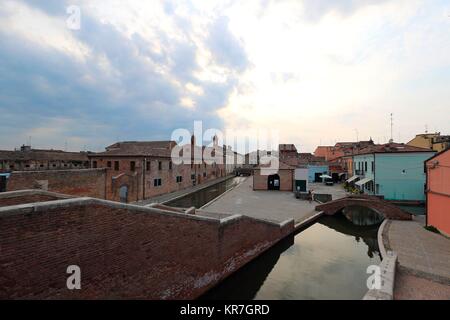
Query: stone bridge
point(388, 210)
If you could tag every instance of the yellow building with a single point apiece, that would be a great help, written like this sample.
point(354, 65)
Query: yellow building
point(432, 141)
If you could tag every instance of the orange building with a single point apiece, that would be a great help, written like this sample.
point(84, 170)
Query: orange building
point(438, 191)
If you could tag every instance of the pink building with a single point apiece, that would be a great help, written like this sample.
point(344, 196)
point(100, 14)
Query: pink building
point(438, 191)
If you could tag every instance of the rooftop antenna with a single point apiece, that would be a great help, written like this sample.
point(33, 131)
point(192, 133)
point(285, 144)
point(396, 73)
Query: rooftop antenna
point(392, 128)
point(426, 128)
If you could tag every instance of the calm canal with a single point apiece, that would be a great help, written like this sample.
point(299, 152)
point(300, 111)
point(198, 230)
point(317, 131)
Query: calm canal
point(203, 196)
point(328, 260)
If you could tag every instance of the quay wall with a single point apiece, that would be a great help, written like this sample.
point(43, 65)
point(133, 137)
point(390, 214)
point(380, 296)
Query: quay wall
point(123, 251)
point(82, 182)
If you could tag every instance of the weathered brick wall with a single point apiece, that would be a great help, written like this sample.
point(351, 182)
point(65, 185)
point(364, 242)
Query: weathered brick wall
point(16, 200)
point(143, 188)
point(86, 182)
point(286, 180)
point(123, 251)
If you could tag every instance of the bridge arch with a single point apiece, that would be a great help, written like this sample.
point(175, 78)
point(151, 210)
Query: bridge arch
point(388, 210)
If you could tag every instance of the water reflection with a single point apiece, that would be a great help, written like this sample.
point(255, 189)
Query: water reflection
point(202, 197)
point(362, 216)
point(326, 261)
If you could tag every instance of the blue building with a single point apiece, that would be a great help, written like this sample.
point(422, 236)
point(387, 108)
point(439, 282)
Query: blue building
point(315, 171)
point(395, 171)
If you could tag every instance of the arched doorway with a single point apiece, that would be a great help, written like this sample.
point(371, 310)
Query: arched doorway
point(123, 194)
point(273, 182)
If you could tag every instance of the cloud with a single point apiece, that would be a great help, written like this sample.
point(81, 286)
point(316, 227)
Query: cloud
point(227, 49)
point(126, 85)
point(314, 10)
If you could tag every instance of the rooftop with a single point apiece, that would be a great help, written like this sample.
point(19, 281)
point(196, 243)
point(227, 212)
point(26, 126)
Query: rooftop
point(139, 148)
point(41, 154)
point(391, 148)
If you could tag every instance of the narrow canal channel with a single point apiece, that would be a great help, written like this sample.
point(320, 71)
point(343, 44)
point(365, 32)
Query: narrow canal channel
point(203, 196)
point(328, 260)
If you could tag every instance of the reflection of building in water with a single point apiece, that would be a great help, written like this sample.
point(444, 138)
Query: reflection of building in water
point(367, 233)
point(245, 284)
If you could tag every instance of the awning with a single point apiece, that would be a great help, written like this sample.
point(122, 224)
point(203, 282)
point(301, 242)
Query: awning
point(352, 179)
point(363, 181)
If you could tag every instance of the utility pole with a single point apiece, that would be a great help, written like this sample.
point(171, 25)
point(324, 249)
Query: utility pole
point(392, 128)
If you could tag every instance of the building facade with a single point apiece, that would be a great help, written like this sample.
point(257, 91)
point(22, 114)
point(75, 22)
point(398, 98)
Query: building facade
point(28, 159)
point(315, 171)
point(281, 179)
point(141, 170)
point(434, 141)
point(438, 191)
point(394, 171)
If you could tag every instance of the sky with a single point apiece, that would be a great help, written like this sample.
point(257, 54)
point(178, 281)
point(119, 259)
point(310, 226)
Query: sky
point(315, 72)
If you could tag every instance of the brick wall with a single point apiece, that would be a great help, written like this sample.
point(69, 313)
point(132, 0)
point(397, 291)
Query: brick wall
point(12, 201)
point(140, 181)
point(286, 180)
point(86, 182)
point(123, 251)
point(385, 208)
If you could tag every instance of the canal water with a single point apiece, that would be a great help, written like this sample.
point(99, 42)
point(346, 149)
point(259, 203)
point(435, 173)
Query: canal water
point(328, 260)
point(203, 196)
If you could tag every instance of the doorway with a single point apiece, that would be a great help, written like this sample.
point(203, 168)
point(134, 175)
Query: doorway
point(2, 183)
point(123, 194)
point(317, 177)
point(273, 182)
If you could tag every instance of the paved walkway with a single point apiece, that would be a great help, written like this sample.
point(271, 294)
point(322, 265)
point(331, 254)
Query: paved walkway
point(424, 260)
point(270, 205)
point(337, 191)
point(181, 193)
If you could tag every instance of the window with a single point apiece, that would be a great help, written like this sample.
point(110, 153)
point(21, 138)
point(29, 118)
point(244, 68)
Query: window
point(373, 167)
point(192, 176)
point(179, 179)
point(132, 166)
point(204, 174)
point(109, 164)
point(94, 164)
point(148, 163)
point(170, 165)
point(116, 165)
point(157, 182)
point(365, 166)
point(159, 165)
